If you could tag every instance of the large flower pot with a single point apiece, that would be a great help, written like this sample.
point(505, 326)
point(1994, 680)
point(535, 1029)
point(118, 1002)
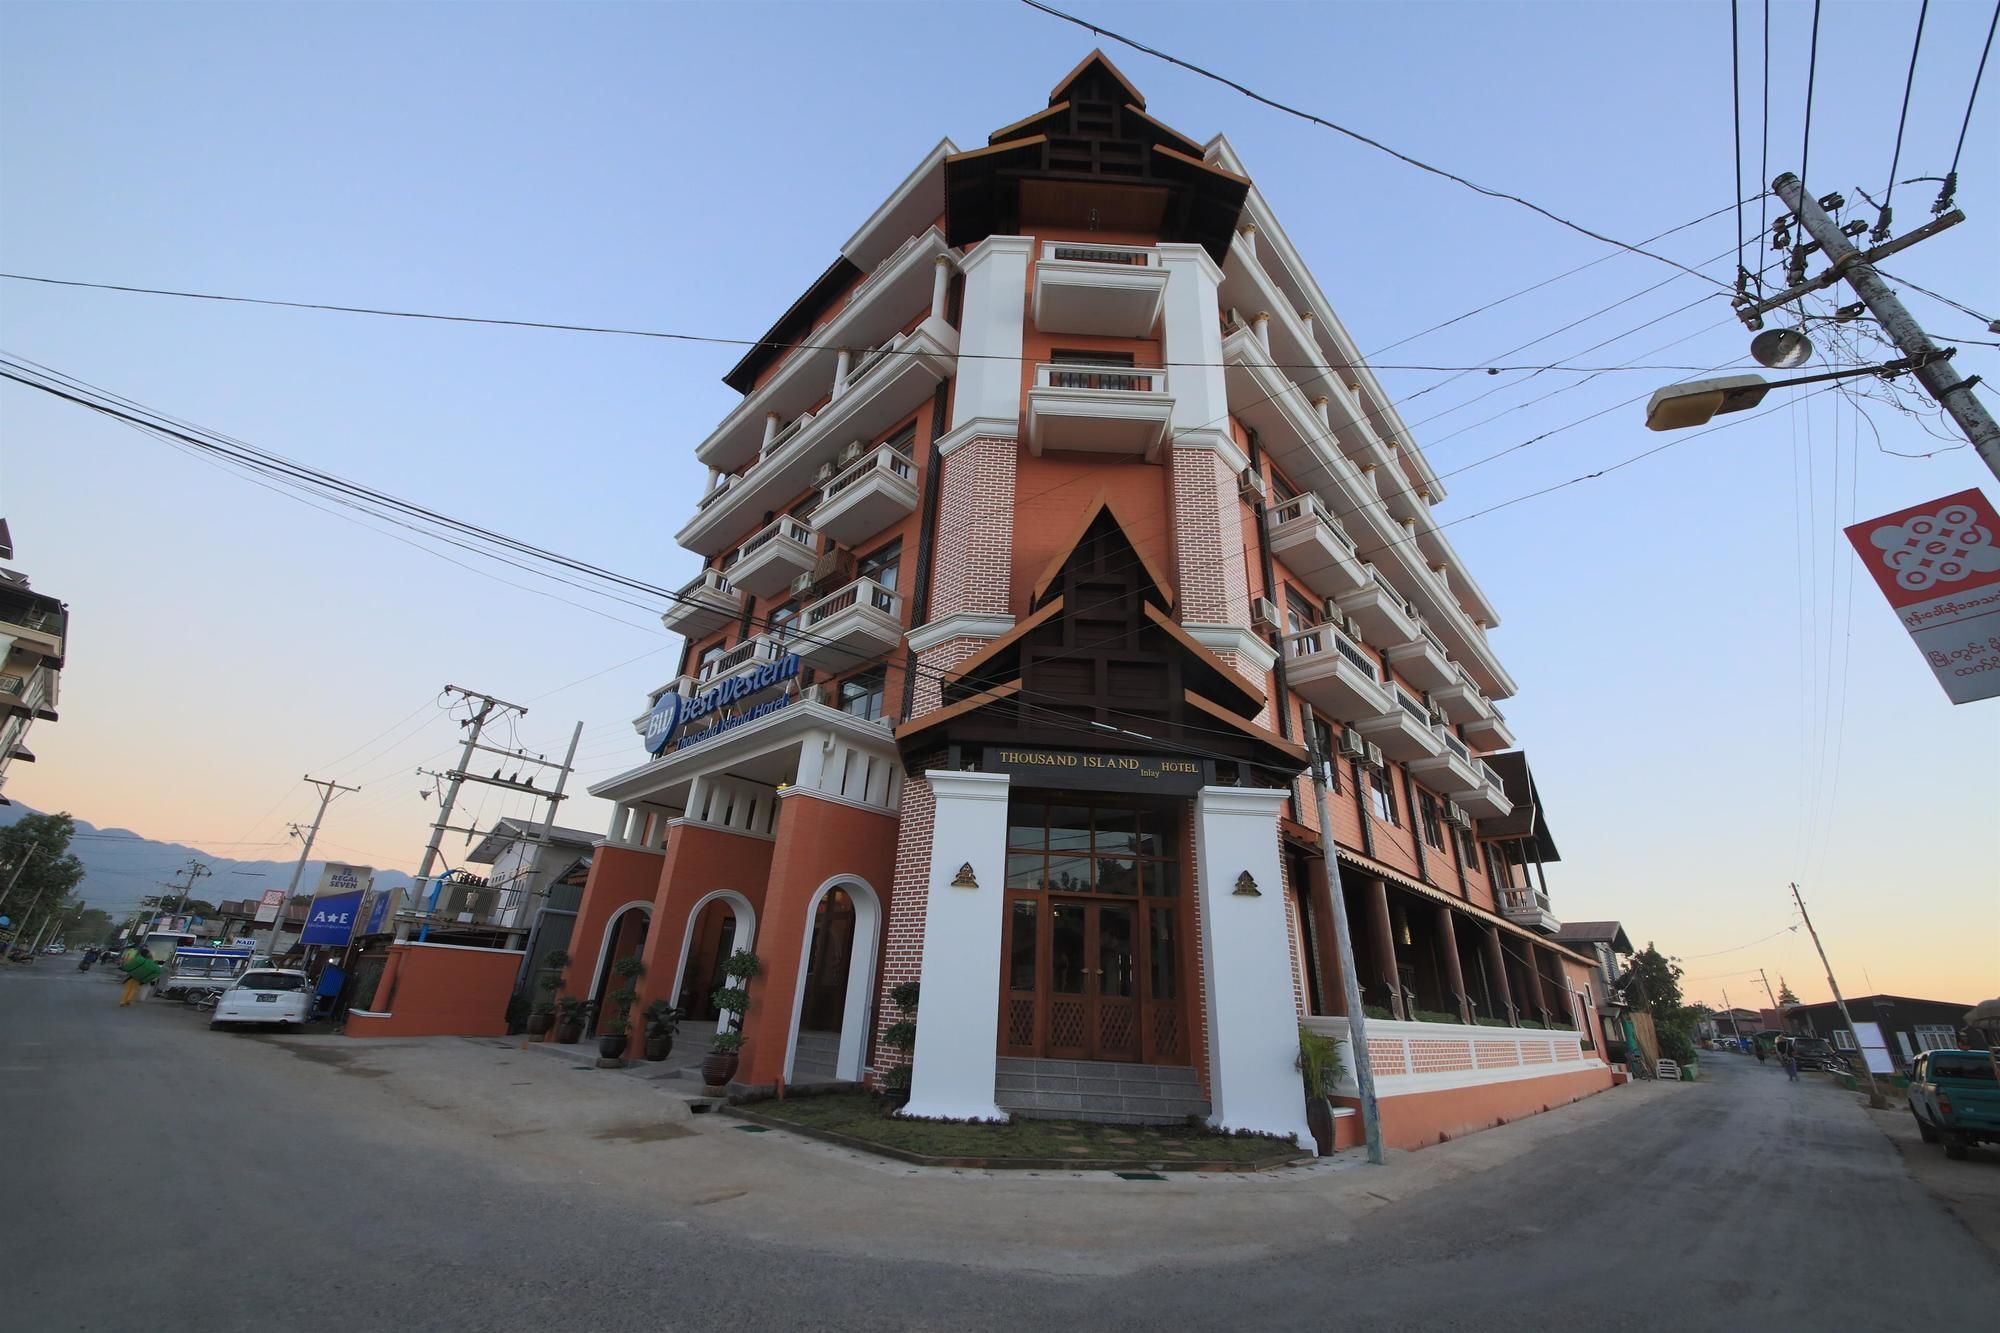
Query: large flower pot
point(569, 1032)
point(660, 1047)
point(611, 1045)
point(539, 1024)
point(1319, 1119)
point(718, 1068)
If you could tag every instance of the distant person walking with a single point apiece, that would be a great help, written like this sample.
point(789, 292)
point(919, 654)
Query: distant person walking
point(138, 970)
point(1760, 1052)
point(1792, 1066)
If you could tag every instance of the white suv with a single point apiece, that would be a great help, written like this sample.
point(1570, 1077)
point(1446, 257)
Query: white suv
point(270, 995)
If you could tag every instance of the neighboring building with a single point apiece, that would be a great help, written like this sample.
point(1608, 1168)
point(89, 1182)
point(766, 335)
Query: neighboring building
point(33, 630)
point(1059, 513)
point(1909, 1026)
point(1732, 1024)
point(526, 865)
point(1605, 943)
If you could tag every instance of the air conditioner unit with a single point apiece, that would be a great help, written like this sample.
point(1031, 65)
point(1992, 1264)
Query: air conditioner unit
point(1454, 814)
point(835, 566)
point(824, 475)
point(1249, 485)
point(1265, 612)
point(802, 585)
point(1330, 612)
point(1375, 759)
point(1352, 746)
point(1352, 628)
point(853, 451)
point(815, 694)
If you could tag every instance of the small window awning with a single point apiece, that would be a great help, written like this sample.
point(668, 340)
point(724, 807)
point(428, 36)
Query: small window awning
point(1526, 820)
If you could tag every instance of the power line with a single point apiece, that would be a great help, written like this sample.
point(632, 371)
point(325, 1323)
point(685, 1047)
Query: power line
point(1764, 154)
point(1896, 158)
point(1736, 137)
point(1357, 136)
point(1812, 77)
point(1959, 306)
point(1951, 177)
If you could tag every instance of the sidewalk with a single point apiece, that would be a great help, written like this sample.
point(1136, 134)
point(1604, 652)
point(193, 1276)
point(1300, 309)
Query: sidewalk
point(1969, 1189)
point(548, 1114)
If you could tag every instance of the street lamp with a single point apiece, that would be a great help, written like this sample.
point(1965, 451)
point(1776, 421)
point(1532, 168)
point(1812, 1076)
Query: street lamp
point(1698, 402)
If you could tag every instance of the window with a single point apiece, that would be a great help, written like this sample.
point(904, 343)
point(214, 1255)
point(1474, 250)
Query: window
point(881, 564)
point(272, 981)
point(1301, 613)
point(783, 622)
point(904, 441)
point(1091, 849)
point(1935, 1037)
point(1468, 851)
point(1074, 357)
point(1496, 868)
point(1382, 796)
point(1282, 490)
point(862, 695)
point(1843, 1039)
point(708, 655)
point(1427, 808)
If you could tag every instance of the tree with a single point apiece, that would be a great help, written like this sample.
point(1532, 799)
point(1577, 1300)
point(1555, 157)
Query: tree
point(1785, 996)
point(38, 846)
point(1656, 986)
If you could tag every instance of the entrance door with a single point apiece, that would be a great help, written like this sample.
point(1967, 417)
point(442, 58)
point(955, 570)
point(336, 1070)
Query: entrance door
point(1092, 981)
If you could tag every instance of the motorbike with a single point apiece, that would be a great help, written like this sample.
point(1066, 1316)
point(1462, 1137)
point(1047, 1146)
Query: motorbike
point(84, 966)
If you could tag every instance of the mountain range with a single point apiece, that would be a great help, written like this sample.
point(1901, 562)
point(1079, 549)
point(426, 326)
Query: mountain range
point(120, 867)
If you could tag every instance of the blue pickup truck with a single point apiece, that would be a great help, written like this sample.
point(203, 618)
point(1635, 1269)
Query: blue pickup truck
point(1955, 1096)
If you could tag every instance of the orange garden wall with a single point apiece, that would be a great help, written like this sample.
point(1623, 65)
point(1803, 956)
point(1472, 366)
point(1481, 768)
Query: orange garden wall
point(1419, 1119)
point(439, 990)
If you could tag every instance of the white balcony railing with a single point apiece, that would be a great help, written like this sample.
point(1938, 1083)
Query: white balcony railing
point(1309, 503)
point(1101, 379)
point(1125, 255)
point(754, 652)
point(884, 459)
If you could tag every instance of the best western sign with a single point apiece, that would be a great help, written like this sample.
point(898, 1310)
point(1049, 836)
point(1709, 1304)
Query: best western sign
point(667, 722)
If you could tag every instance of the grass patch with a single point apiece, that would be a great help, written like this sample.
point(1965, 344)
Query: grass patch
point(865, 1118)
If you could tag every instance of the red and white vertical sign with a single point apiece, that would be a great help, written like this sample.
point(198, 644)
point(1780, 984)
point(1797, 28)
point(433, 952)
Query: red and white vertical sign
point(1939, 566)
point(269, 906)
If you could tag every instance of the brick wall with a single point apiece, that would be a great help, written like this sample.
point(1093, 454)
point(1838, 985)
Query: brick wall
point(975, 529)
point(903, 939)
point(932, 663)
point(1208, 540)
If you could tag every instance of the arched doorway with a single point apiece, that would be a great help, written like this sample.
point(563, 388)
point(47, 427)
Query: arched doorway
point(624, 937)
point(721, 923)
point(836, 981)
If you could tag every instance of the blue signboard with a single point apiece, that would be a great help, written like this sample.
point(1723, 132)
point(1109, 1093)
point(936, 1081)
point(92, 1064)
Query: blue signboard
point(674, 711)
point(331, 919)
point(378, 913)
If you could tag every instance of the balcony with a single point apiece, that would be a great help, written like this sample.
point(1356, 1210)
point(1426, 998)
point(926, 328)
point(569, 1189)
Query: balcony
point(13, 697)
point(1404, 729)
point(1462, 701)
point(706, 604)
point(1490, 799)
point(1423, 661)
point(1491, 732)
point(1530, 908)
point(1315, 547)
point(1099, 409)
point(1113, 291)
point(35, 629)
point(1452, 771)
point(1334, 674)
point(861, 622)
point(763, 650)
point(778, 553)
point(883, 386)
point(871, 493)
point(1384, 614)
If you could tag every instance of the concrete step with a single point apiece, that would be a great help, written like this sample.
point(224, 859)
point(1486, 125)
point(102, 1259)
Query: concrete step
point(1099, 1090)
point(815, 1055)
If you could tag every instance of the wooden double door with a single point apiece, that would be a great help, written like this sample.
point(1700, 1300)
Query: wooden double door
point(1092, 979)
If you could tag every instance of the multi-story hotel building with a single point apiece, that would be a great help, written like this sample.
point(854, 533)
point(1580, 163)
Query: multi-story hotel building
point(33, 626)
point(1059, 524)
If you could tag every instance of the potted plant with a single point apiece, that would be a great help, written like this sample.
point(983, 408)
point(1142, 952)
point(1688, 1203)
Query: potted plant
point(1322, 1068)
point(569, 1020)
point(726, 1050)
point(662, 1021)
point(901, 1035)
point(543, 1016)
point(614, 1025)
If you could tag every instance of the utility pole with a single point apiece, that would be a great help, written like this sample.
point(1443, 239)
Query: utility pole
point(1875, 1098)
point(1952, 393)
point(26, 857)
point(1730, 1009)
point(489, 708)
point(1350, 985)
point(195, 870)
point(328, 789)
point(1767, 988)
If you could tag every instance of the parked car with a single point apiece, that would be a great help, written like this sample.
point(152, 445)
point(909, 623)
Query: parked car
point(1955, 1097)
point(55, 949)
point(274, 995)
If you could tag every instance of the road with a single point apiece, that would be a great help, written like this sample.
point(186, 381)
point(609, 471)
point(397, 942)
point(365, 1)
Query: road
point(253, 1182)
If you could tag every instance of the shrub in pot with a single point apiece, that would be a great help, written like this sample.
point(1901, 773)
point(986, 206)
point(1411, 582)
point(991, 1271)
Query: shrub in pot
point(662, 1021)
point(543, 1016)
point(613, 1029)
point(901, 1035)
point(569, 1020)
point(726, 1050)
point(1321, 1068)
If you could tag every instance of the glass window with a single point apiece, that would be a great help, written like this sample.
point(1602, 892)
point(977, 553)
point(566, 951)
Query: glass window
point(1301, 612)
point(1282, 490)
point(1027, 824)
point(1072, 357)
point(1021, 948)
point(880, 565)
point(1935, 1037)
point(1427, 807)
point(272, 981)
point(1117, 832)
point(709, 655)
point(1069, 874)
point(1107, 849)
point(1319, 739)
point(862, 695)
point(904, 441)
point(1117, 874)
point(783, 622)
point(1160, 958)
point(1382, 796)
point(1024, 872)
point(1843, 1039)
point(1069, 828)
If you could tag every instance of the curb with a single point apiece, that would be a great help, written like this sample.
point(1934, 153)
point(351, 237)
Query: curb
point(1272, 1163)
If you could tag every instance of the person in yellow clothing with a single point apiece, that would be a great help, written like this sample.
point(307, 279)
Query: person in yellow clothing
point(138, 970)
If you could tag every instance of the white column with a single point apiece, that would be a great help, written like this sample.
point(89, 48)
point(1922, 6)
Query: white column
point(842, 361)
point(1253, 1083)
point(1260, 324)
point(958, 1011)
point(770, 429)
point(987, 401)
point(1191, 327)
point(940, 285)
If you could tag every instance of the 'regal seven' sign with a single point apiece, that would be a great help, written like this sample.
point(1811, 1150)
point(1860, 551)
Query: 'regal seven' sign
point(665, 724)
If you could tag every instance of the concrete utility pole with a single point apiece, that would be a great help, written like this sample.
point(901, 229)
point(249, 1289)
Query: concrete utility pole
point(1875, 1098)
point(26, 857)
point(1350, 985)
point(328, 789)
point(488, 708)
point(1952, 393)
point(1767, 988)
point(195, 870)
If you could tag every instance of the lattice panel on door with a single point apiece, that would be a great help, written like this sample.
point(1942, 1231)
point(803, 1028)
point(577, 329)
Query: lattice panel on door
point(1020, 1022)
point(1166, 1031)
point(1114, 1030)
point(1065, 1024)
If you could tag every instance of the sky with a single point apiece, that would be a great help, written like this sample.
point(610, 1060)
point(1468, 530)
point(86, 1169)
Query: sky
point(1710, 713)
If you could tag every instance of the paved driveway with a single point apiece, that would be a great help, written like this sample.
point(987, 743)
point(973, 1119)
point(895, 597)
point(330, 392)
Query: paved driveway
point(300, 1182)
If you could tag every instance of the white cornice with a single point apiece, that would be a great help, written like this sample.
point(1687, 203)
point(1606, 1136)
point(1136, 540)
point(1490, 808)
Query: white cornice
point(978, 428)
point(963, 625)
point(1213, 438)
point(1245, 643)
point(867, 247)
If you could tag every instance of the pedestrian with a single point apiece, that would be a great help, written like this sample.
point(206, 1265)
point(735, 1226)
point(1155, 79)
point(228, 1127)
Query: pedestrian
point(138, 970)
point(1791, 1066)
point(1760, 1052)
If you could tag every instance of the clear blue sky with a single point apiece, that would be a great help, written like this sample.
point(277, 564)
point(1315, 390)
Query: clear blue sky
point(692, 168)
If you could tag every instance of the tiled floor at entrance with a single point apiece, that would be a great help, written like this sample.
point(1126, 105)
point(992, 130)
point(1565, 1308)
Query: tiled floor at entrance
point(1125, 1094)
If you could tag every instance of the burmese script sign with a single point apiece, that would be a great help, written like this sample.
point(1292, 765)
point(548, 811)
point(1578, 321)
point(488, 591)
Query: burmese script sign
point(1939, 566)
point(1099, 772)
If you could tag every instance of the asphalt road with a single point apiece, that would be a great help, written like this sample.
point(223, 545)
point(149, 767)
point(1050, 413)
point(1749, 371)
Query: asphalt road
point(161, 1176)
